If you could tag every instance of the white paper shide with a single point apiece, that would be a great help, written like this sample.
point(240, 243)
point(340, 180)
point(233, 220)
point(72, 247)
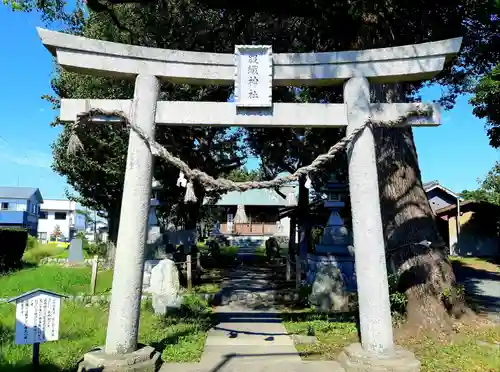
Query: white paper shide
point(37, 318)
point(253, 80)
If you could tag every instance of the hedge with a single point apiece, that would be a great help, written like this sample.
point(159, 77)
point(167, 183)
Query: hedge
point(12, 246)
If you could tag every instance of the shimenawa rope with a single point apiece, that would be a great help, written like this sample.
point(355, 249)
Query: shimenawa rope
point(223, 184)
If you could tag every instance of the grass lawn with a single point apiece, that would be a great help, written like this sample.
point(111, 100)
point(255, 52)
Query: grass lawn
point(179, 337)
point(227, 250)
point(476, 263)
point(35, 254)
point(473, 348)
point(75, 281)
point(65, 280)
point(209, 288)
point(261, 251)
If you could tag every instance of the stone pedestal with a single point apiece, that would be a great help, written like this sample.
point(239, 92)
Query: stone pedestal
point(355, 359)
point(145, 359)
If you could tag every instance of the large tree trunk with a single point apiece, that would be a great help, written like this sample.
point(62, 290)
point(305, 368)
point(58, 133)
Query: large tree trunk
point(425, 273)
point(113, 226)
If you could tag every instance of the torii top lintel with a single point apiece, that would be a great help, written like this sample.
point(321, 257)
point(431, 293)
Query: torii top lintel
point(384, 65)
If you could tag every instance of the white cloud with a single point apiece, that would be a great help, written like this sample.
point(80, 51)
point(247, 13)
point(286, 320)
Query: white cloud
point(30, 158)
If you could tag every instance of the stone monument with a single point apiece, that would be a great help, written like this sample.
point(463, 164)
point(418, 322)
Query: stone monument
point(253, 70)
point(75, 252)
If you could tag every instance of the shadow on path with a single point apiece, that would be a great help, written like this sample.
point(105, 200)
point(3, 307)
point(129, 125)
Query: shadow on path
point(482, 287)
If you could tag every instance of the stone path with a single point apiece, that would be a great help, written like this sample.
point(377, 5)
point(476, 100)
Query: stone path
point(250, 335)
point(483, 289)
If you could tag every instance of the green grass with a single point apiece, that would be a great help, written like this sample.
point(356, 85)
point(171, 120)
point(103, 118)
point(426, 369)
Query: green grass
point(65, 280)
point(207, 288)
point(227, 250)
point(332, 336)
point(39, 251)
point(476, 263)
point(261, 251)
point(180, 337)
point(474, 348)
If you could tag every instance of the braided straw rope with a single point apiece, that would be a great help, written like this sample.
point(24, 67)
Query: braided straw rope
point(223, 184)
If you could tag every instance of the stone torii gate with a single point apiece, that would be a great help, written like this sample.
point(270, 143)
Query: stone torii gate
point(253, 70)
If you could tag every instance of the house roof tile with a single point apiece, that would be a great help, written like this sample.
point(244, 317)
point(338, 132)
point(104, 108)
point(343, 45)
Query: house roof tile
point(19, 192)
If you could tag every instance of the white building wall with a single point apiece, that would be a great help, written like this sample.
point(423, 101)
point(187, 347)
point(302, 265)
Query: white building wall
point(56, 209)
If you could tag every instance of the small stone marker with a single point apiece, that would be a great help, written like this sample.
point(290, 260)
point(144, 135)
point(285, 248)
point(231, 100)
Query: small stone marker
point(37, 319)
point(75, 255)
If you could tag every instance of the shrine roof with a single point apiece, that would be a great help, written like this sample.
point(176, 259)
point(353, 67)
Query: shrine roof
point(256, 197)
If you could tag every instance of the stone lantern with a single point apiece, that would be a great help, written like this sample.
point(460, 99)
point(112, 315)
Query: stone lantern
point(335, 247)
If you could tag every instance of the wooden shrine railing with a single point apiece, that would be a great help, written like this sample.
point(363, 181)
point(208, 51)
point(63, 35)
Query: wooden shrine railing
point(251, 228)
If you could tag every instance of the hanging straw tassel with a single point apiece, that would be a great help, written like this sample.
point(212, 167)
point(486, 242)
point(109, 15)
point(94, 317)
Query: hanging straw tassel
point(190, 196)
point(291, 199)
point(181, 180)
point(74, 144)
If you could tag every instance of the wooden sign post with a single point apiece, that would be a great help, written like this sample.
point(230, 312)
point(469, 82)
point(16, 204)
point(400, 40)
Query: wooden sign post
point(189, 273)
point(93, 279)
point(37, 319)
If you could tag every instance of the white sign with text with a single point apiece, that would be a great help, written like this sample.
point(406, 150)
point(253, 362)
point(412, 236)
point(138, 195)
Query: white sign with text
point(254, 76)
point(37, 317)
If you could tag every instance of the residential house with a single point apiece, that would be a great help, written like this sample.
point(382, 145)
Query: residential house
point(97, 230)
point(439, 196)
point(19, 207)
point(56, 214)
point(469, 228)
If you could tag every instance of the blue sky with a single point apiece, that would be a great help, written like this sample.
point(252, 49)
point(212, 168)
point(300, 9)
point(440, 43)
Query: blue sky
point(456, 153)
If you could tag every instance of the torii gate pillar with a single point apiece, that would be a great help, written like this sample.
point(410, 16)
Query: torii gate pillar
point(377, 349)
point(129, 257)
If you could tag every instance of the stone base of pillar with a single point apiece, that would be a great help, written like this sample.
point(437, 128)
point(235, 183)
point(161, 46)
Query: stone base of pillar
point(355, 359)
point(145, 359)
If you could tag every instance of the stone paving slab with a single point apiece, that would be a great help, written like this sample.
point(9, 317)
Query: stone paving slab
point(250, 354)
point(303, 366)
point(268, 341)
point(250, 338)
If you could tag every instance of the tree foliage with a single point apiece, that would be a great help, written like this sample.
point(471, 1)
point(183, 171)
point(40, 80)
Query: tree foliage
point(244, 175)
point(489, 188)
point(486, 102)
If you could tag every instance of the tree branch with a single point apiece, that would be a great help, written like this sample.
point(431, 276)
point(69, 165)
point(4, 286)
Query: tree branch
point(300, 8)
